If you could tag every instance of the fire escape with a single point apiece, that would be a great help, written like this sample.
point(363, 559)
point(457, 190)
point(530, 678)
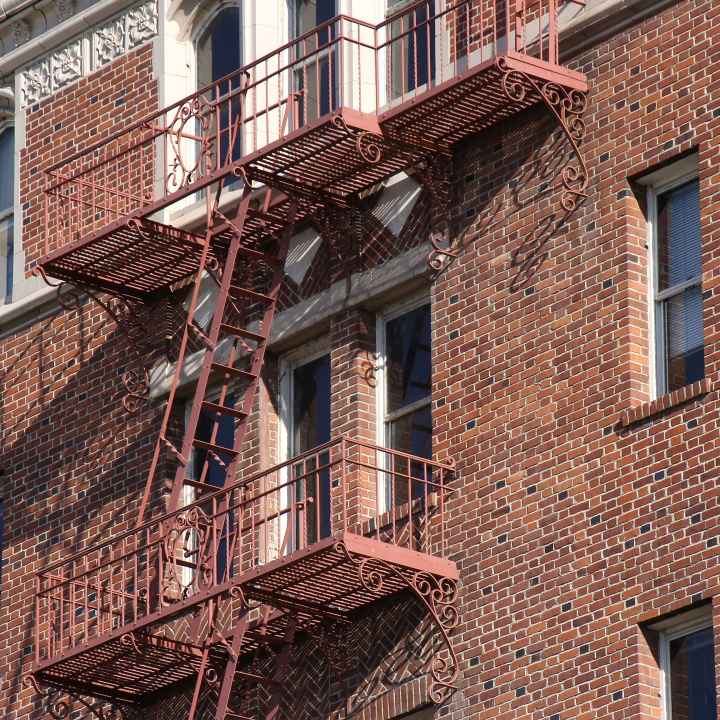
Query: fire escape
point(182, 603)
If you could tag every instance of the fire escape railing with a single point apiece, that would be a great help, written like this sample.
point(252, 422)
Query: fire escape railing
point(209, 545)
point(343, 63)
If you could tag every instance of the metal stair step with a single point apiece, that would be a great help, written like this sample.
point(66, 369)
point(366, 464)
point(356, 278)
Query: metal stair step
point(237, 372)
point(240, 292)
point(217, 449)
point(242, 332)
point(223, 409)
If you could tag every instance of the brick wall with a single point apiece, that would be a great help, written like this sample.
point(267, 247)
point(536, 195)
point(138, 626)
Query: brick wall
point(569, 527)
point(73, 461)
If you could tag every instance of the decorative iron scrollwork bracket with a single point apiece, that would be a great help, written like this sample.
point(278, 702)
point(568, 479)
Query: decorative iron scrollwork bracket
point(435, 174)
point(568, 106)
point(368, 145)
point(152, 331)
point(439, 595)
point(57, 704)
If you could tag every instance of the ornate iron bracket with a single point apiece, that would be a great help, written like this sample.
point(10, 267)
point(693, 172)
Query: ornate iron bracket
point(152, 332)
point(568, 107)
point(439, 595)
point(57, 703)
point(435, 174)
point(368, 145)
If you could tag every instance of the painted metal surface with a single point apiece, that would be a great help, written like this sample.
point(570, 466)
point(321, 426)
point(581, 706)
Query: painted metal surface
point(180, 599)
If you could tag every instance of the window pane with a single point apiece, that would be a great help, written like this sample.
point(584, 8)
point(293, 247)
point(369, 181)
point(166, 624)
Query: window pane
point(225, 437)
point(684, 339)
point(412, 53)
point(679, 235)
point(7, 168)
point(692, 677)
point(311, 427)
point(412, 433)
point(219, 47)
point(311, 13)
point(408, 358)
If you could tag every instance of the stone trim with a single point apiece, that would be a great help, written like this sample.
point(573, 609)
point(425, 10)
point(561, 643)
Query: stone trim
point(631, 416)
point(88, 53)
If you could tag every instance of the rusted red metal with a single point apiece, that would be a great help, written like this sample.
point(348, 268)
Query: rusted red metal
point(382, 106)
point(99, 606)
point(320, 122)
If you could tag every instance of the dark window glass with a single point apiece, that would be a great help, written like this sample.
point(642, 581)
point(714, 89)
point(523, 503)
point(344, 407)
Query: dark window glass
point(408, 358)
point(412, 50)
point(692, 677)
point(7, 168)
point(311, 427)
point(679, 282)
point(315, 72)
point(408, 416)
point(679, 235)
point(216, 472)
point(219, 54)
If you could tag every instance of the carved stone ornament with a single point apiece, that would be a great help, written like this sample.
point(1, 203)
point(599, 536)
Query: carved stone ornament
point(109, 42)
point(65, 9)
point(35, 82)
point(142, 23)
point(104, 44)
point(20, 33)
point(67, 65)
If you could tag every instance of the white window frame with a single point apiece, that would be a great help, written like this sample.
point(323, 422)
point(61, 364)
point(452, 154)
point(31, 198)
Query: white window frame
point(671, 629)
point(382, 319)
point(286, 394)
point(658, 183)
point(9, 214)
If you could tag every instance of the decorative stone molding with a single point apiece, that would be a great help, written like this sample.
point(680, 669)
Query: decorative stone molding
point(88, 53)
point(20, 33)
point(65, 9)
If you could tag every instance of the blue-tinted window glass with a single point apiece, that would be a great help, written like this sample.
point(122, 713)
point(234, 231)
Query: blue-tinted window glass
point(408, 358)
point(311, 427)
point(679, 235)
point(7, 168)
point(692, 677)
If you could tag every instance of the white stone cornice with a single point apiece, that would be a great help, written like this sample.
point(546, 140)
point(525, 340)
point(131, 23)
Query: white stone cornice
point(88, 52)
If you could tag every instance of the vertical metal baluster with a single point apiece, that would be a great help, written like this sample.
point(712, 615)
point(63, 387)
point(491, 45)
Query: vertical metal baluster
point(393, 499)
point(426, 513)
point(410, 502)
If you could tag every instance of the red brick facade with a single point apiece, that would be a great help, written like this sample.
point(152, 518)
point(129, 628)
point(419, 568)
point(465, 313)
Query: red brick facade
point(581, 509)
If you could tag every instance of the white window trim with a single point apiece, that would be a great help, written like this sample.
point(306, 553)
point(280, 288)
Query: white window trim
point(382, 319)
point(672, 629)
point(288, 363)
point(673, 176)
point(9, 214)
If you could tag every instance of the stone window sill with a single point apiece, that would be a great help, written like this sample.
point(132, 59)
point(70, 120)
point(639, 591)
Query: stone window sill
point(631, 416)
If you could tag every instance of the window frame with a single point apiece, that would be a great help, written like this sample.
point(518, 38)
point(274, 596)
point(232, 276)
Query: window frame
point(7, 217)
point(678, 176)
point(671, 629)
point(306, 353)
point(382, 417)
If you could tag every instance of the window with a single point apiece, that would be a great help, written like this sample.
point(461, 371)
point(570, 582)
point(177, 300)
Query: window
point(412, 45)
point(316, 76)
point(687, 662)
point(305, 411)
point(404, 392)
point(7, 194)
point(211, 472)
point(674, 211)
point(219, 53)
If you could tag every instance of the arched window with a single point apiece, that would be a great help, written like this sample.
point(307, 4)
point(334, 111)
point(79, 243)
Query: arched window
point(219, 53)
point(7, 193)
point(219, 48)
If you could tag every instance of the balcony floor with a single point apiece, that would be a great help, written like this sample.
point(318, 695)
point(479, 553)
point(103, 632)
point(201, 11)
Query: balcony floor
point(319, 583)
point(332, 159)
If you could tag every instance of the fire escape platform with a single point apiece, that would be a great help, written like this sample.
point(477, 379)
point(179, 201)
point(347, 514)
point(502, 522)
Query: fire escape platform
point(324, 582)
point(474, 100)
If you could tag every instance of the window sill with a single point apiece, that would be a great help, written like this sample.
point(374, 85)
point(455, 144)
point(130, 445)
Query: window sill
point(666, 402)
